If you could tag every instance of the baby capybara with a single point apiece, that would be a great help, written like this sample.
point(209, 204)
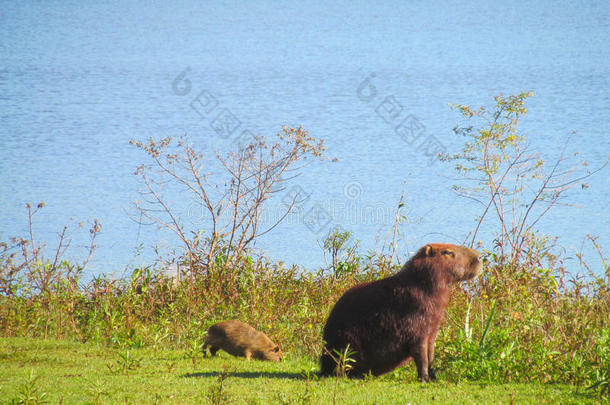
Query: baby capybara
point(240, 339)
point(388, 321)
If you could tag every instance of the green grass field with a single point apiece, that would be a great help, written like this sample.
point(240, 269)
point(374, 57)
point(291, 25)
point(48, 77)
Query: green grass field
point(51, 371)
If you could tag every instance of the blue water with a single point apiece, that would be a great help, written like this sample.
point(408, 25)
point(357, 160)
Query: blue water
point(79, 79)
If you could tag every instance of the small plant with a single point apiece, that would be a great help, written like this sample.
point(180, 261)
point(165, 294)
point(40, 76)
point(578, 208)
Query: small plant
point(305, 397)
point(343, 364)
point(310, 375)
point(601, 375)
point(342, 250)
point(125, 363)
point(158, 339)
point(193, 351)
point(170, 366)
point(216, 393)
point(97, 391)
point(29, 393)
point(344, 361)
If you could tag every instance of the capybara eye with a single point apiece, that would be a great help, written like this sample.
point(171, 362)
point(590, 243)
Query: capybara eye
point(449, 253)
point(276, 349)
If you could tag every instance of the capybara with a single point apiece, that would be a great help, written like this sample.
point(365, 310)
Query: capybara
point(240, 339)
point(388, 321)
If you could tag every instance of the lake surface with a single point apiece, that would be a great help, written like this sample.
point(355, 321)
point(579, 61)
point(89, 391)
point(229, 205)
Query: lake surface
point(79, 80)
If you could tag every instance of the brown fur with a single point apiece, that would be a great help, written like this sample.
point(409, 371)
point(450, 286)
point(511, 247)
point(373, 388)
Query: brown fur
point(240, 339)
point(388, 321)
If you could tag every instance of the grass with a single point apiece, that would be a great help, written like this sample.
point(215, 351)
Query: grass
point(513, 336)
point(76, 373)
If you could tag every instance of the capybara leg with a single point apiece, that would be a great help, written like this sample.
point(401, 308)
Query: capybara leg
point(431, 344)
point(213, 350)
point(421, 361)
point(356, 372)
point(327, 365)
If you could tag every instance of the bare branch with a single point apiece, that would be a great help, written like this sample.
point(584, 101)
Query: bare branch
point(252, 175)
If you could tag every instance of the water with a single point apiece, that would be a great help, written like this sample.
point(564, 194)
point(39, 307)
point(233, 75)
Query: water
point(79, 80)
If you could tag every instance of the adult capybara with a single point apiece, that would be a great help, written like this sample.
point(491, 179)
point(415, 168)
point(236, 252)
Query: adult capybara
point(388, 321)
point(240, 339)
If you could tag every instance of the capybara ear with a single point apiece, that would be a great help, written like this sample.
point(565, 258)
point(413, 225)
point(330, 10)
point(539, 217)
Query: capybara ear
point(428, 251)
